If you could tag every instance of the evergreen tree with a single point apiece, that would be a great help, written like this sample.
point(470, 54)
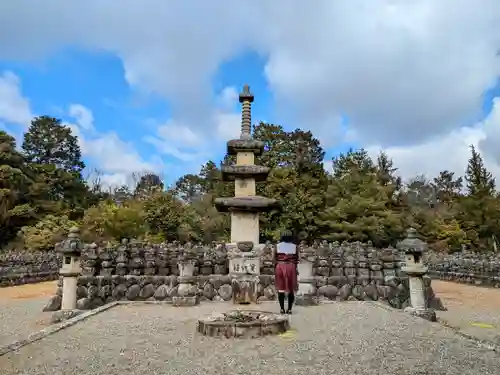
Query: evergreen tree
point(297, 149)
point(47, 141)
point(15, 181)
point(358, 160)
point(189, 187)
point(357, 205)
point(148, 184)
point(447, 187)
point(55, 158)
point(479, 180)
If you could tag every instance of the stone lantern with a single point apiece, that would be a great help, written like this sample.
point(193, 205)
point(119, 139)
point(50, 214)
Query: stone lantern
point(414, 249)
point(71, 250)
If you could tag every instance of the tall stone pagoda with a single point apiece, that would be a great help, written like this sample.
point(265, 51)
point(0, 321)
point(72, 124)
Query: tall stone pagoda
point(245, 206)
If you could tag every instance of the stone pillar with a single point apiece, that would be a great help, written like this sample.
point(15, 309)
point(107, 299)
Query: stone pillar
point(246, 99)
point(186, 292)
point(415, 270)
point(70, 270)
point(306, 295)
point(417, 298)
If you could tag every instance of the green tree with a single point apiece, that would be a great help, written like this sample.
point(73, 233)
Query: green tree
point(16, 210)
point(54, 156)
point(47, 141)
point(478, 213)
point(207, 222)
point(358, 160)
point(301, 196)
point(148, 184)
point(297, 180)
point(189, 187)
point(447, 187)
point(109, 221)
point(165, 214)
point(357, 205)
point(46, 233)
point(479, 180)
point(297, 149)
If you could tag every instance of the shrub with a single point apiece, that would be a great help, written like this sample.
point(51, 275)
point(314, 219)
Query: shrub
point(46, 233)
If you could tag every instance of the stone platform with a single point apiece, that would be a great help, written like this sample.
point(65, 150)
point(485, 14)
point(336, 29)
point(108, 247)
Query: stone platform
point(341, 338)
point(243, 324)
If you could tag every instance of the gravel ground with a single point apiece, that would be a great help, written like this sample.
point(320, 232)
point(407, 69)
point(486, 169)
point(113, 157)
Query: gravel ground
point(19, 318)
point(339, 338)
point(482, 324)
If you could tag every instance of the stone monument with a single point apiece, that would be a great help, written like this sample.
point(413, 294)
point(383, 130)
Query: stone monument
point(71, 250)
point(186, 289)
point(414, 248)
point(306, 293)
point(245, 206)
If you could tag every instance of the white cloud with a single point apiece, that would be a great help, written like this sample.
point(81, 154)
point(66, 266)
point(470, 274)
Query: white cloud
point(450, 151)
point(82, 115)
point(406, 73)
point(14, 107)
point(195, 146)
point(115, 159)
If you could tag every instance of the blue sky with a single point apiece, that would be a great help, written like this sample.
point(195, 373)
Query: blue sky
point(154, 88)
point(96, 81)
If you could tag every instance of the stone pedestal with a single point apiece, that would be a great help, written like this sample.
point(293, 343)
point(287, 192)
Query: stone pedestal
point(69, 293)
point(306, 295)
point(417, 296)
point(244, 269)
point(186, 292)
point(245, 289)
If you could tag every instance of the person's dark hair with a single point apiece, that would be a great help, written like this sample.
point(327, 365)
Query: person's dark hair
point(286, 236)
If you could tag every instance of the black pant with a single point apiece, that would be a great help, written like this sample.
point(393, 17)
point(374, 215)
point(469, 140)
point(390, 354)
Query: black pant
point(281, 300)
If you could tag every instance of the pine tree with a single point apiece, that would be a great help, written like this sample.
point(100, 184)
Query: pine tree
point(15, 181)
point(148, 184)
point(479, 180)
point(55, 157)
point(47, 141)
point(357, 206)
point(447, 187)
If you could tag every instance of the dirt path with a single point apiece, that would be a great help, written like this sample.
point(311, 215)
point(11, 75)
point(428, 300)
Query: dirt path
point(28, 291)
point(456, 295)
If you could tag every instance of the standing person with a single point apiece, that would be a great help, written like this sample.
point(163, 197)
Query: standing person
point(285, 272)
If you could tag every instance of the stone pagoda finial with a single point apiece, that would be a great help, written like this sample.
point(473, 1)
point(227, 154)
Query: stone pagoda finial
point(246, 99)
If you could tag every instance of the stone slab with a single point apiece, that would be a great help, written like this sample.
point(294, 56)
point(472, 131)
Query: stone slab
point(185, 301)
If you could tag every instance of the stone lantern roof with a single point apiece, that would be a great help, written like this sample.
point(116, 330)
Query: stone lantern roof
point(73, 245)
point(412, 244)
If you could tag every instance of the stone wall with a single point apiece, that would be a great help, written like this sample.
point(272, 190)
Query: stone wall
point(94, 291)
point(24, 267)
point(466, 267)
point(137, 272)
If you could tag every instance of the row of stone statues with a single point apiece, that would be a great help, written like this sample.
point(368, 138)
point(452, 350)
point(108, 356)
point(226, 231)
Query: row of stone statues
point(136, 258)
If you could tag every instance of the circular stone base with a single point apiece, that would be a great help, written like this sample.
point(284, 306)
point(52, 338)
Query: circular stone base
point(243, 324)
